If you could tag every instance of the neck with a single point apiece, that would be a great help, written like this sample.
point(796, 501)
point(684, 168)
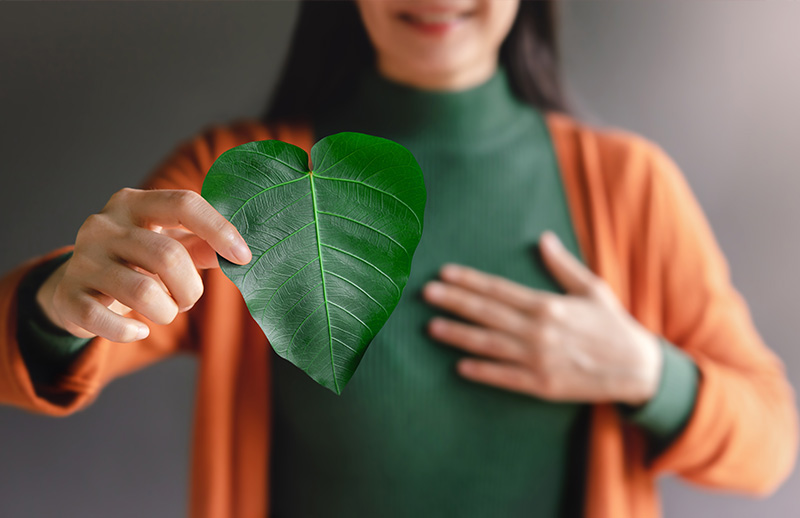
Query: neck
point(382, 106)
point(462, 78)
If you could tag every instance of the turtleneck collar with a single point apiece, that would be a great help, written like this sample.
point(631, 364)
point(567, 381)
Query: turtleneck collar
point(382, 106)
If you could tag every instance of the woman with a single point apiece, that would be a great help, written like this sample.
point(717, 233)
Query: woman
point(514, 384)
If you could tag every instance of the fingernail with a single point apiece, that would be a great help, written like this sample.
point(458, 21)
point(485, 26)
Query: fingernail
point(434, 289)
point(241, 252)
point(143, 333)
point(437, 325)
point(451, 271)
point(552, 240)
point(466, 366)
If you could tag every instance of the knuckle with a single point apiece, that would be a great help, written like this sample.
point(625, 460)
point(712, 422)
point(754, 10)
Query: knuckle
point(170, 254)
point(185, 199)
point(87, 315)
point(517, 378)
point(93, 223)
point(195, 291)
point(219, 224)
point(498, 345)
point(552, 310)
point(132, 234)
point(121, 197)
point(163, 315)
point(166, 316)
point(97, 230)
point(470, 305)
point(490, 310)
point(146, 290)
point(598, 288)
point(490, 343)
point(501, 287)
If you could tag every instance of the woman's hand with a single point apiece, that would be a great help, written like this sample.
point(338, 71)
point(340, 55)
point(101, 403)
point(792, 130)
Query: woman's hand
point(582, 346)
point(140, 252)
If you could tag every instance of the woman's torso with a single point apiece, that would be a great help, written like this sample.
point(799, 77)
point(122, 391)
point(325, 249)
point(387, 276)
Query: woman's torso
point(409, 436)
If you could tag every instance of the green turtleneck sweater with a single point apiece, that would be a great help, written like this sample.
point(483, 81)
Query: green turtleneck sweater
point(409, 436)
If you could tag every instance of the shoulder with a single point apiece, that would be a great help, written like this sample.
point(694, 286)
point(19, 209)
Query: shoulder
point(192, 157)
point(630, 201)
point(615, 169)
point(213, 139)
point(615, 157)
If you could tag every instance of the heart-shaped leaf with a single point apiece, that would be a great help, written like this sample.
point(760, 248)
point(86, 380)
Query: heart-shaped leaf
point(332, 247)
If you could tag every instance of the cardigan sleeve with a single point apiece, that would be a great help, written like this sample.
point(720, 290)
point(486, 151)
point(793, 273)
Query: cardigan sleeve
point(666, 413)
point(742, 433)
point(45, 348)
point(71, 385)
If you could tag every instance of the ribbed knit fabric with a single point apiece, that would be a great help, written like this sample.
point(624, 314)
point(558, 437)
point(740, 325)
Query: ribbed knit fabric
point(409, 436)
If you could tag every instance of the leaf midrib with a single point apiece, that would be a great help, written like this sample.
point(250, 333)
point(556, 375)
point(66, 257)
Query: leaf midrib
point(322, 274)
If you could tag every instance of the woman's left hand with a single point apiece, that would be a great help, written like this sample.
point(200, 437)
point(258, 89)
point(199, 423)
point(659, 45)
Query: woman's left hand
point(581, 346)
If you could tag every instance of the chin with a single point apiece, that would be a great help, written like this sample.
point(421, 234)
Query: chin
point(438, 61)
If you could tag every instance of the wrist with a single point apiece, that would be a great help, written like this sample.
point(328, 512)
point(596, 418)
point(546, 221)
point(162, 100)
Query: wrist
point(44, 296)
point(669, 409)
point(647, 371)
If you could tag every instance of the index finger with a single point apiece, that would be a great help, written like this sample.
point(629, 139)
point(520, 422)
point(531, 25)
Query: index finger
point(172, 208)
point(496, 287)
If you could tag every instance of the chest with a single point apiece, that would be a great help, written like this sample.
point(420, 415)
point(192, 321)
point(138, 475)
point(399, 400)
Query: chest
point(407, 422)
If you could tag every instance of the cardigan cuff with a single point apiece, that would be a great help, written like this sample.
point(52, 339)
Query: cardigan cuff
point(42, 343)
point(668, 411)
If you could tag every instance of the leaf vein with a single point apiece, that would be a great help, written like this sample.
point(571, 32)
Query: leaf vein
point(401, 202)
point(301, 325)
point(350, 154)
point(344, 344)
point(272, 158)
point(266, 305)
point(369, 227)
point(284, 208)
point(296, 303)
point(352, 315)
point(273, 246)
point(322, 274)
point(364, 260)
point(256, 195)
point(362, 290)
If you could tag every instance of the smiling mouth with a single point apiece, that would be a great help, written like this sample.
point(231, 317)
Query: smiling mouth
point(434, 23)
point(434, 18)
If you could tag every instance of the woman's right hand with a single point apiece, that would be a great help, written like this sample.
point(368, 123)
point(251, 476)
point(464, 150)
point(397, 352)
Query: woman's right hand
point(141, 252)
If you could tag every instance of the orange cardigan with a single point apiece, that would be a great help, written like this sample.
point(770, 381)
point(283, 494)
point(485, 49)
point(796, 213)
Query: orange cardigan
point(639, 227)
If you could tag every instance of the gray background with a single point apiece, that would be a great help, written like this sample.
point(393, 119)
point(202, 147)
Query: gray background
point(93, 95)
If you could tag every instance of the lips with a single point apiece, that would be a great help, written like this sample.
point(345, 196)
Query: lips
point(434, 18)
point(435, 22)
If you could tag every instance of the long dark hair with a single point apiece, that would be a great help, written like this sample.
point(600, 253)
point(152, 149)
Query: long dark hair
point(330, 45)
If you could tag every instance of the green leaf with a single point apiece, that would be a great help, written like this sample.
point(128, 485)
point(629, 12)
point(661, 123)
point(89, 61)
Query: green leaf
point(332, 247)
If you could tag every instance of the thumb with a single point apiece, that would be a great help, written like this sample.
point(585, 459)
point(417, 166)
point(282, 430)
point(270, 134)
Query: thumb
point(568, 270)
